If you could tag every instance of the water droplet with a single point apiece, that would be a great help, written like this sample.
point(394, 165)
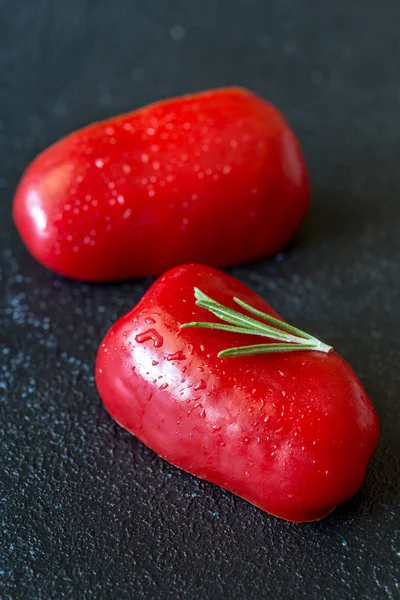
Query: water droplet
point(150, 334)
point(99, 163)
point(202, 414)
point(150, 320)
point(145, 158)
point(127, 213)
point(154, 362)
point(200, 385)
point(163, 386)
point(176, 356)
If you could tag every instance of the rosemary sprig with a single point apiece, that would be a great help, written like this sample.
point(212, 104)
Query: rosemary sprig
point(291, 339)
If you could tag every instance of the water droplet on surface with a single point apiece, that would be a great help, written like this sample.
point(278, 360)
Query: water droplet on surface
point(202, 414)
point(200, 385)
point(150, 334)
point(99, 163)
point(176, 356)
point(154, 362)
point(163, 386)
point(150, 320)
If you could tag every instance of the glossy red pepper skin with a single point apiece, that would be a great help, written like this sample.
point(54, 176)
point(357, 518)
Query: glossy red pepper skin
point(216, 177)
point(291, 433)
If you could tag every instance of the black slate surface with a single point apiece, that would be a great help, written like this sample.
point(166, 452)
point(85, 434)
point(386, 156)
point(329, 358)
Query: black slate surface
point(87, 511)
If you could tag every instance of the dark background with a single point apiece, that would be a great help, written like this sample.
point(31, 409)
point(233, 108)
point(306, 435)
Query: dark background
point(87, 511)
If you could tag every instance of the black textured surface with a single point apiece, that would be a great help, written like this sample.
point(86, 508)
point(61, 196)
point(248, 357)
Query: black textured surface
point(87, 511)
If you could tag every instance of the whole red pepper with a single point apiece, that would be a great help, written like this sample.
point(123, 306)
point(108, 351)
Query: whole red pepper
point(291, 431)
point(216, 177)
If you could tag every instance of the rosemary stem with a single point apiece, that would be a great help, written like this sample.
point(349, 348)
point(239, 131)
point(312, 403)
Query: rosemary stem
point(290, 338)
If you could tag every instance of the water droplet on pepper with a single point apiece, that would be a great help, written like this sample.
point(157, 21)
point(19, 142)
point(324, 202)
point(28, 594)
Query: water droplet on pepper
point(150, 334)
